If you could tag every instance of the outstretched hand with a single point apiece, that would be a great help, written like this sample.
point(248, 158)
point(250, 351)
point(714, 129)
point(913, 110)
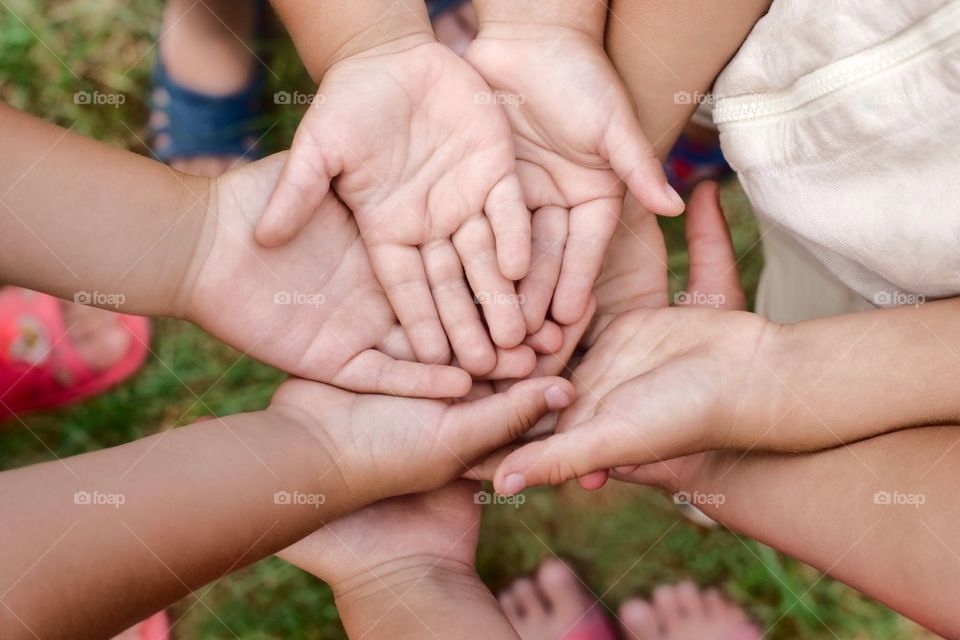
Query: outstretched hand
point(424, 159)
point(312, 307)
point(579, 148)
point(659, 383)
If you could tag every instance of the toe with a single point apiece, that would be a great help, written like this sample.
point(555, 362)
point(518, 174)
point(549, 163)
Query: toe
point(561, 588)
point(638, 620)
point(667, 606)
point(528, 600)
point(689, 599)
point(510, 608)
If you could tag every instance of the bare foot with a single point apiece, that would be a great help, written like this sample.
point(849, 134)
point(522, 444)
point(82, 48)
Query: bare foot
point(205, 48)
point(683, 612)
point(97, 335)
point(553, 605)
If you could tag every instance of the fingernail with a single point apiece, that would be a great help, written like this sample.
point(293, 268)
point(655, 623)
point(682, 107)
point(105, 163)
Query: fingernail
point(674, 196)
point(514, 483)
point(557, 398)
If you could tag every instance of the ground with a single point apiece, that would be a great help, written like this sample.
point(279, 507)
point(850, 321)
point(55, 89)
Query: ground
point(624, 541)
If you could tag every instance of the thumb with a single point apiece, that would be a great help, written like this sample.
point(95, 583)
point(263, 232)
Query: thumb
point(479, 426)
point(713, 262)
point(303, 185)
point(635, 161)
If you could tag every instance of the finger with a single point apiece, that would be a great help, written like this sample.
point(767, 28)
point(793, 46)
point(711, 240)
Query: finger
point(713, 262)
point(554, 364)
point(485, 424)
point(401, 274)
point(568, 455)
point(374, 372)
point(549, 339)
point(634, 159)
point(549, 235)
point(304, 183)
point(591, 227)
point(458, 313)
point(510, 220)
point(594, 481)
point(496, 295)
point(518, 362)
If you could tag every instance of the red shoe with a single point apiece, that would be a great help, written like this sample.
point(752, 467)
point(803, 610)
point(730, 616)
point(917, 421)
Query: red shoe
point(40, 368)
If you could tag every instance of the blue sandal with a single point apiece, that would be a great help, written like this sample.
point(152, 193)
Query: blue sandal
point(185, 123)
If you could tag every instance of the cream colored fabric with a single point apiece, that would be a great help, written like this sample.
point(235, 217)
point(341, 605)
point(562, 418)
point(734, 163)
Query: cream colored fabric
point(794, 286)
point(842, 120)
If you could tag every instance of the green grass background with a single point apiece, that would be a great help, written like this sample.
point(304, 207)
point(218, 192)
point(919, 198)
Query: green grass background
point(623, 540)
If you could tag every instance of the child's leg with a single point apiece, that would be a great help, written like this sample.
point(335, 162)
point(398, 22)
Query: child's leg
point(206, 48)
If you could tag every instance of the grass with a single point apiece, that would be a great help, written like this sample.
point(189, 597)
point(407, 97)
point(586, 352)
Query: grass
point(624, 540)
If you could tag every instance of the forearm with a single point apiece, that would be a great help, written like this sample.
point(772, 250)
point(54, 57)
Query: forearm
point(663, 48)
point(586, 16)
point(880, 515)
point(79, 216)
point(441, 599)
point(844, 378)
point(327, 31)
point(91, 544)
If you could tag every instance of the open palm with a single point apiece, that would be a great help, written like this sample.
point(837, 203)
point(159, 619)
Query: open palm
point(312, 307)
point(424, 159)
point(579, 146)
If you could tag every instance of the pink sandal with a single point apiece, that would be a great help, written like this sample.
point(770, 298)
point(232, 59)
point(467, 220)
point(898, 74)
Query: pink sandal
point(39, 368)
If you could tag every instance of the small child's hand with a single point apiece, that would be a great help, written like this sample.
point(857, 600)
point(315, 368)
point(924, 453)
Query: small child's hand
point(420, 153)
point(657, 384)
point(393, 540)
point(660, 383)
point(384, 446)
point(578, 140)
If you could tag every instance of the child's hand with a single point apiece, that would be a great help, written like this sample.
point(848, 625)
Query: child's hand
point(385, 446)
point(577, 141)
point(419, 153)
point(312, 307)
point(662, 383)
point(398, 539)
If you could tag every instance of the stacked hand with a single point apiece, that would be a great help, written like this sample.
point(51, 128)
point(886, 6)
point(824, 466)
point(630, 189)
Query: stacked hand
point(660, 384)
point(579, 147)
point(420, 153)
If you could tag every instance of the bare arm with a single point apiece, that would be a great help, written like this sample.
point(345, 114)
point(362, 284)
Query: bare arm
point(81, 216)
point(665, 47)
point(880, 515)
point(327, 31)
point(94, 543)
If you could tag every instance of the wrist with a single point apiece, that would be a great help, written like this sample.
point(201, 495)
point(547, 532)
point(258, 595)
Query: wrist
point(386, 37)
point(765, 393)
point(535, 18)
point(198, 200)
point(422, 583)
